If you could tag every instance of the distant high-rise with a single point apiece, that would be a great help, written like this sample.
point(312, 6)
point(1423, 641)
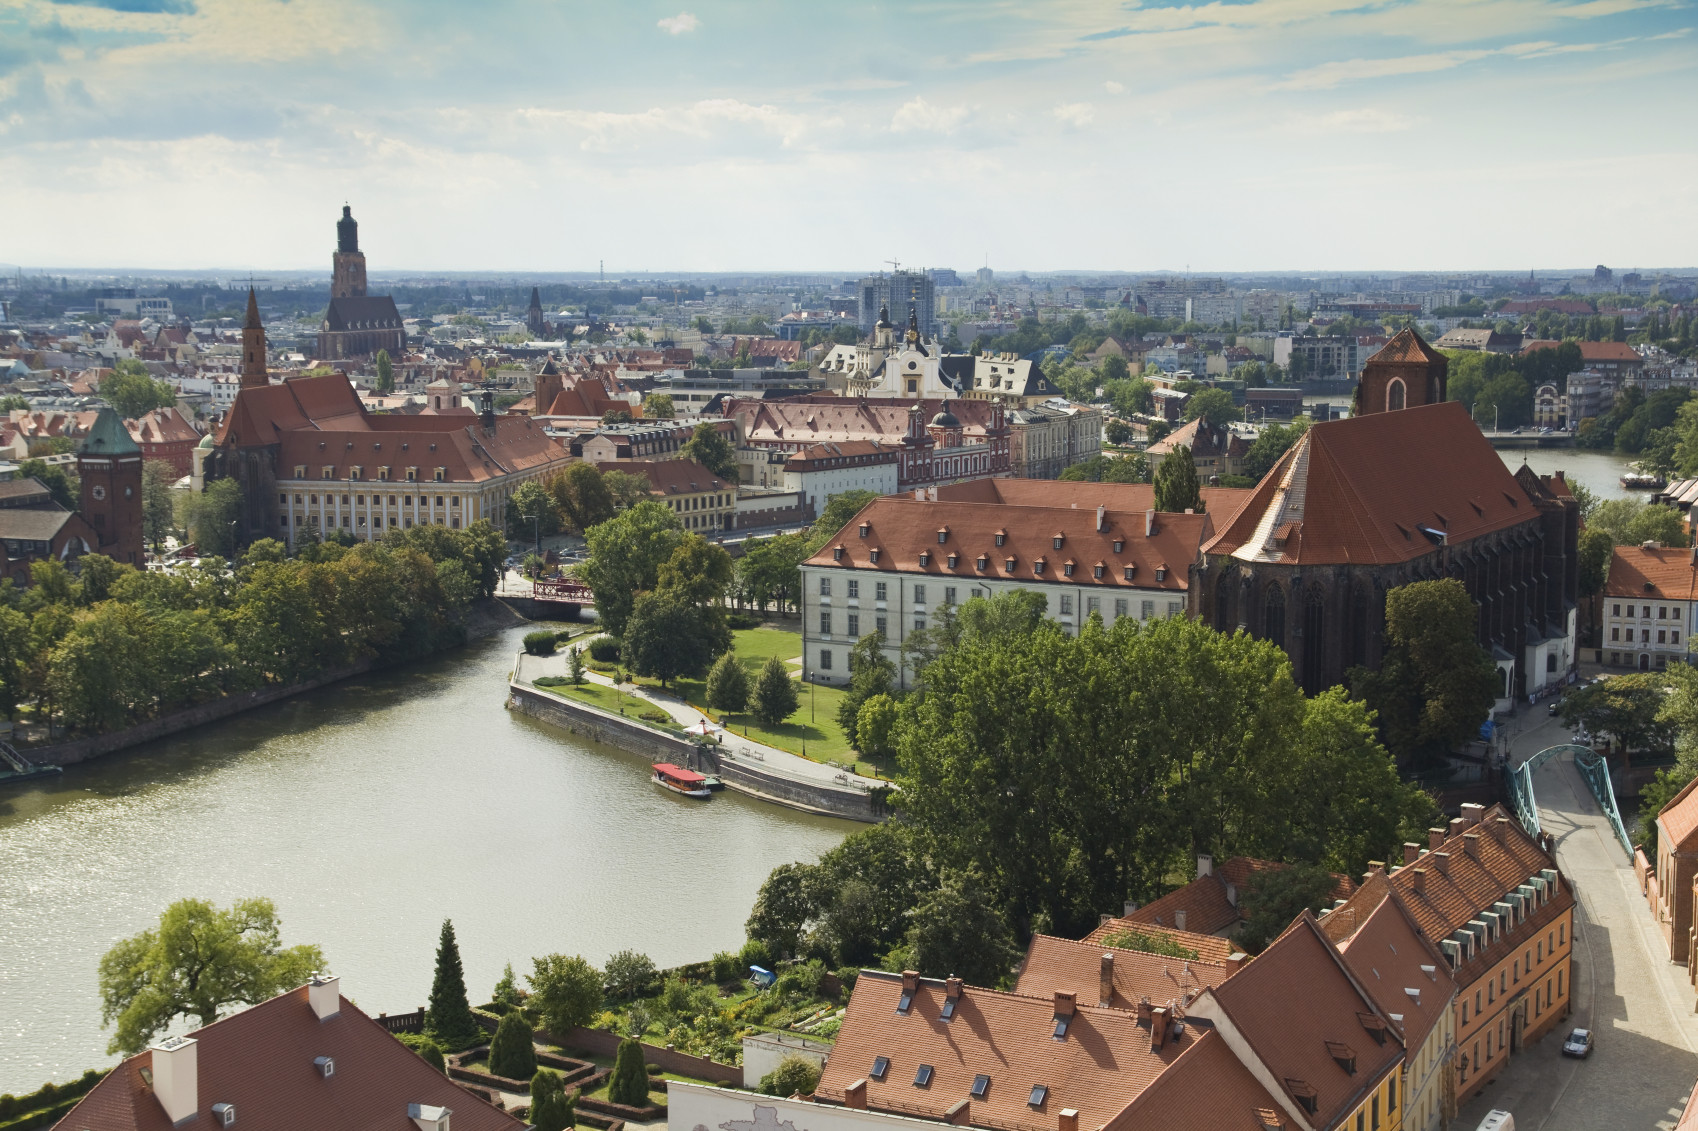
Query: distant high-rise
point(899, 292)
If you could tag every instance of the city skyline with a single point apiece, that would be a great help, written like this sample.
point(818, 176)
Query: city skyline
point(1276, 135)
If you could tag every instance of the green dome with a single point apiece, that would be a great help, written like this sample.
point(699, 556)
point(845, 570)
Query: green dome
point(206, 441)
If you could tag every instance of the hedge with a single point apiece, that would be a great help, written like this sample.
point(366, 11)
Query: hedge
point(606, 649)
point(48, 1095)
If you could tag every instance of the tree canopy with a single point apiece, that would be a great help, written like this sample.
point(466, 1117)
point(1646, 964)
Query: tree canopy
point(625, 556)
point(133, 392)
point(1177, 489)
point(709, 447)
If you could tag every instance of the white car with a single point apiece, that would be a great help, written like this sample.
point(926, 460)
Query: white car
point(1578, 1043)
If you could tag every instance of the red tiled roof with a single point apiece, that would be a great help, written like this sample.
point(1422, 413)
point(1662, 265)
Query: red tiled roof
point(1294, 1004)
point(161, 426)
point(1221, 503)
point(813, 419)
point(1076, 967)
point(1389, 956)
point(1362, 491)
point(901, 528)
point(1206, 1089)
point(261, 1062)
point(669, 476)
point(1104, 1060)
point(1407, 347)
point(1208, 905)
point(1209, 948)
point(1664, 572)
point(1678, 819)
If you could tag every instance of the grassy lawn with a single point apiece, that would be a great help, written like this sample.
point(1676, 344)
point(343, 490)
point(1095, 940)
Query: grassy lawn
point(608, 699)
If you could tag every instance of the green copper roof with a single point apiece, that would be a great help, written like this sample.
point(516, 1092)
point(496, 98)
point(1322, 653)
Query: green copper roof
point(109, 437)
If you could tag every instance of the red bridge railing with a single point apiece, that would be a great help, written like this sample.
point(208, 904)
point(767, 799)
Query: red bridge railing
point(572, 591)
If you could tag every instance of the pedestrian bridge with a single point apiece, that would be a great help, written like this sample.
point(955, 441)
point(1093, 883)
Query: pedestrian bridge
point(1594, 769)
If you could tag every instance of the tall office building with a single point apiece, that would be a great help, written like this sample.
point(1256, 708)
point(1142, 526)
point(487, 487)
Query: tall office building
point(899, 292)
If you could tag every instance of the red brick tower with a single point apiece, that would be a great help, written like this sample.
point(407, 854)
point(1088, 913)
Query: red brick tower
point(110, 465)
point(348, 265)
point(253, 347)
point(1406, 373)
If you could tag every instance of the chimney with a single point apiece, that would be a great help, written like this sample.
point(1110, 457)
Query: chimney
point(1435, 838)
point(487, 410)
point(1232, 894)
point(910, 980)
point(1064, 1003)
point(1103, 919)
point(1457, 826)
point(1376, 867)
point(1102, 518)
point(855, 1095)
point(1500, 829)
point(1158, 1027)
point(324, 993)
point(176, 1077)
point(1441, 861)
point(1471, 844)
point(1069, 1120)
point(1179, 919)
point(429, 1117)
point(1205, 865)
point(952, 988)
point(1105, 986)
point(1472, 812)
point(1130, 906)
point(1418, 877)
point(961, 1114)
point(1411, 852)
point(1149, 522)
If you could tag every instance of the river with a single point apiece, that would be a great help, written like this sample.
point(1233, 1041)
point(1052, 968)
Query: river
point(1601, 472)
point(369, 812)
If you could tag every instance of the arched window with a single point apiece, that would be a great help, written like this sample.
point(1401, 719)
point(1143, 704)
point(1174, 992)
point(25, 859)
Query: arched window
point(1358, 626)
point(1395, 396)
point(1274, 616)
point(1223, 604)
point(1314, 641)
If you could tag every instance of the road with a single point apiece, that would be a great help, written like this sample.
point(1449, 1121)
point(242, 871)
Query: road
point(1626, 990)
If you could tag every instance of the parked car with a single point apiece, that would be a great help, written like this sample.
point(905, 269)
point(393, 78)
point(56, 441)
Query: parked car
point(1578, 1043)
point(1555, 707)
point(1497, 1120)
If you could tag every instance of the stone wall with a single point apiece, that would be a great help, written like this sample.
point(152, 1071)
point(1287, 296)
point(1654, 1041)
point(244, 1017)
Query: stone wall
point(600, 1042)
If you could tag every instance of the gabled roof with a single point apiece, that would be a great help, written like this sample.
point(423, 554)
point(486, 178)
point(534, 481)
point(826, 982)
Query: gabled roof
point(1209, 948)
point(1298, 1008)
point(1076, 967)
point(1103, 1061)
point(1206, 1089)
point(1211, 902)
point(1378, 489)
point(669, 476)
point(367, 312)
point(1389, 957)
point(1667, 573)
point(1677, 821)
point(261, 1062)
point(1407, 347)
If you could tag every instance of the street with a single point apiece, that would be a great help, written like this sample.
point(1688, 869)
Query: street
point(1626, 990)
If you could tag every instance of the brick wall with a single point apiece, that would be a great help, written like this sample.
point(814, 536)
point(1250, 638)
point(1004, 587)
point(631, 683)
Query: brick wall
point(600, 1042)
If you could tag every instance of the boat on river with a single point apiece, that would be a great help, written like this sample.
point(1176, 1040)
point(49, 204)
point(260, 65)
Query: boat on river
point(1643, 481)
point(682, 781)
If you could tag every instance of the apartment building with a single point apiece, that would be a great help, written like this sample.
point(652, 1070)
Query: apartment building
point(1650, 603)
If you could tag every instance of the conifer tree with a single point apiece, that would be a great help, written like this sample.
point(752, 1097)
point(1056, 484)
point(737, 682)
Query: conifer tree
point(1176, 483)
point(728, 684)
point(629, 1084)
point(551, 1109)
point(512, 1053)
point(450, 1018)
point(775, 693)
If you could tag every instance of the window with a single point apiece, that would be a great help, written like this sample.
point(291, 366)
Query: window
point(881, 624)
point(1615, 634)
point(881, 590)
point(441, 474)
point(825, 587)
point(1061, 1027)
point(454, 502)
point(854, 625)
point(300, 471)
point(100, 493)
point(1121, 605)
point(1146, 610)
point(949, 594)
point(360, 499)
point(1175, 608)
point(1391, 1095)
point(1662, 612)
point(1645, 613)
point(923, 1077)
point(328, 471)
point(919, 594)
point(919, 624)
point(905, 1001)
point(1661, 635)
point(947, 1010)
point(412, 475)
point(825, 622)
point(1040, 1093)
point(1093, 605)
point(825, 659)
point(356, 471)
point(1615, 610)
point(881, 1065)
point(438, 499)
point(981, 1085)
point(854, 587)
point(1674, 637)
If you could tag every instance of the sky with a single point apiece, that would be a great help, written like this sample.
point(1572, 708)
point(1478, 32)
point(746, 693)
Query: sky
point(529, 135)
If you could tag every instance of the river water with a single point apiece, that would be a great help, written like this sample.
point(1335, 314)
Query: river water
point(369, 812)
point(1601, 472)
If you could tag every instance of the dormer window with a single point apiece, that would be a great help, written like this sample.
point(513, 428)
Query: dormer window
point(837, 553)
point(356, 472)
point(1055, 543)
point(866, 529)
point(942, 535)
point(1119, 545)
point(1161, 573)
point(441, 474)
point(873, 554)
point(328, 471)
point(881, 1065)
point(383, 474)
point(412, 474)
point(300, 471)
point(1097, 571)
point(1008, 565)
point(1001, 536)
point(1344, 1054)
point(953, 558)
point(1037, 566)
point(1128, 571)
point(925, 558)
point(984, 563)
point(1067, 568)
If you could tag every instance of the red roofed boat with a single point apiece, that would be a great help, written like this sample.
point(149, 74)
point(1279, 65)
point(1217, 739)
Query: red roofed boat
point(679, 780)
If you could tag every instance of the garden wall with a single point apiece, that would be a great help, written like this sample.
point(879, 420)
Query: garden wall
point(600, 1042)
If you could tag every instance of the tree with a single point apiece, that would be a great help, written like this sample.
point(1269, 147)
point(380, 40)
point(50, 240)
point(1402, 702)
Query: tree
point(582, 497)
point(776, 697)
point(551, 1108)
point(795, 1075)
point(512, 1053)
point(770, 570)
point(629, 973)
point(658, 406)
point(1148, 942)
point(1177, 489)
point(565, 991)
point(1114, 368)
point(212, 517)
point(131, 390)
point(385, 373)
point(728, 685)
point(157, 509)
point(1435, 685)
point(61, 485)
point(532, 499)
point(709, 447)
point(449, 1016)
point(575, 664)
point(1630, 522)
point(874, 726)
point(782, 910)
point(839, 509)
point(1627, 708)
point(1212, 406)
point(1596, 550)
point(197, 962)
point(626, 489)
point(507, 992)
point(870, 673)
point(956, 930)
point(697, 570)
point(625, 556)
point(1278, 898)
point(429, 1051)
point(1117, 432)
point(629, 1084)
point(668, 635)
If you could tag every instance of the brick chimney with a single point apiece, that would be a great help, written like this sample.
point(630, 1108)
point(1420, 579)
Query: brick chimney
point(1158, 1027)
point(952, 988)
point(910, 980)
point(176, 1077)
point(1143, 1011)
point(855, 1095)
point(1065, 1003)
point(1068, 1120)
point(1472, 812)
point(1441, 861)
point(1435, 838)
point(1418, 877)
point(1411, 852)
point(1500, 829)
point(1471, 844)
point(1456, 826)
point(1105, 985)
point(961, 1114)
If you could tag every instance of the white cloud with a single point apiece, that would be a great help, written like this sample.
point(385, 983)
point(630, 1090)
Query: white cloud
point(1113, 87)
point(1328, 75)
point(1363, 120)
point(679, 24)
point(921, 116)
point(1076, 114)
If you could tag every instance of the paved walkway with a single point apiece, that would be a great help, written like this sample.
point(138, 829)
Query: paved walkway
point(769, 758)
point(1626, 990)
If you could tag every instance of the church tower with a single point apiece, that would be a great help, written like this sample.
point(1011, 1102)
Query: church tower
point(348, 265)
point(533, 316)
point(1406, 373)
point(110, 466)
point(254, 374)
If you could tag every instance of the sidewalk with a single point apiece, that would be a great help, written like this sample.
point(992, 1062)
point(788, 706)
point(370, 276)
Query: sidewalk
point(735, 746)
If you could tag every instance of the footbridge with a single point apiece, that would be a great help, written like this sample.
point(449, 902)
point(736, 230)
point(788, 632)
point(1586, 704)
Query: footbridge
point(1594, 770)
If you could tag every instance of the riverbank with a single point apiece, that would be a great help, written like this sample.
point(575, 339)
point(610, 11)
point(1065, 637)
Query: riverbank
point(486, 618)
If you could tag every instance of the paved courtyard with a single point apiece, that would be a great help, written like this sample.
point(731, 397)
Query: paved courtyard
point(1638, 1002)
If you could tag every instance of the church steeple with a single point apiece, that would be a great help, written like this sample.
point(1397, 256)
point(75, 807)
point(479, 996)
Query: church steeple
point(347, 231)
point(254, 373)
point(348, 264)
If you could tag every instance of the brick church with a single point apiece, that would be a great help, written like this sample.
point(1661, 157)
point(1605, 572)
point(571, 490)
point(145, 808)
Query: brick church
point(356, 325)
point(1407, 490)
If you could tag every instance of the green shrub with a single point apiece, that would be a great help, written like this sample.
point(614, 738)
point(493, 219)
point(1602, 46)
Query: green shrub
point(795, 1075)
point(540, 643)
point(50, 1097)
point(428, 1049)
point(629, 1084)
point(754, 953)
point(511, 1053)
point(606, 649)
point(652, 1069)
point(740, 621)
point(847, 975)
point(551, 1108)
point(629, 973)
point(725, 967)
point(803, 979)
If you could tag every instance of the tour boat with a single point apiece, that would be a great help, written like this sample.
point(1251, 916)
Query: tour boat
point(1643, 481)
point(679, 780)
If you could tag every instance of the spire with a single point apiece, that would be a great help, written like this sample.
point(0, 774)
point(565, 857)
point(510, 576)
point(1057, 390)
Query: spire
point(108, 436)
point(536, 299)
point(253, 347)
point(347, 231)
point(253, 311)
